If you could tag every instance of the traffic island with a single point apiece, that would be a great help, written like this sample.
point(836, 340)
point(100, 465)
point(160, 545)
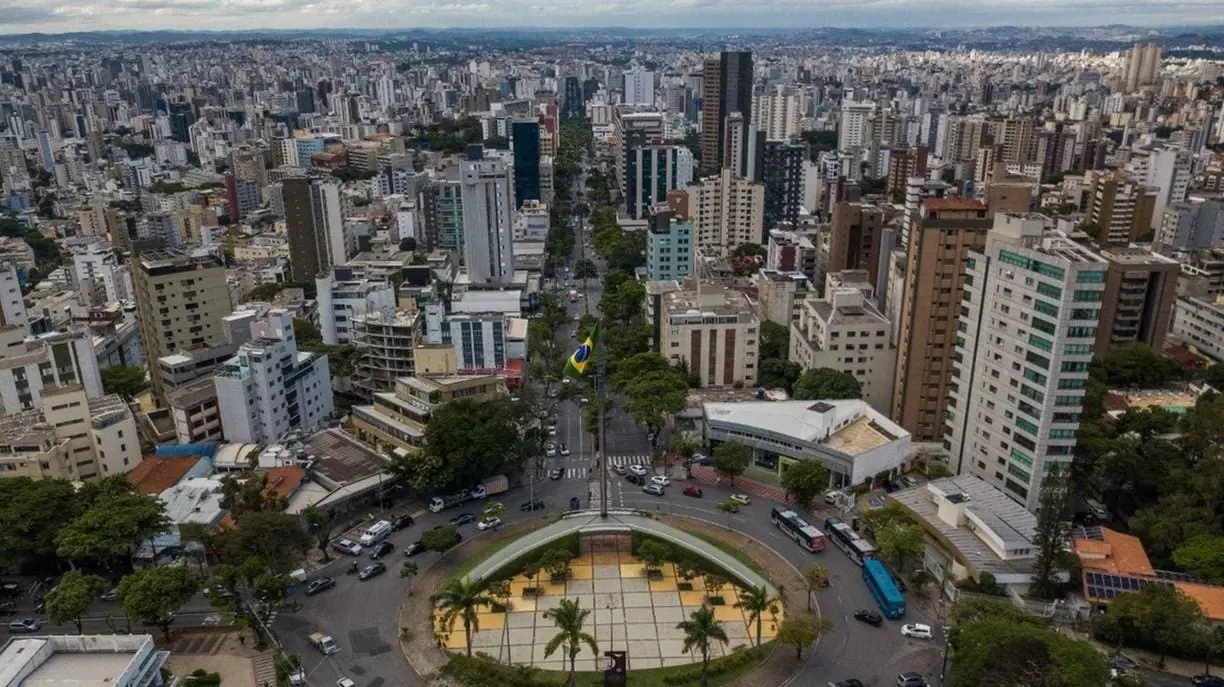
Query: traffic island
point(638, 576)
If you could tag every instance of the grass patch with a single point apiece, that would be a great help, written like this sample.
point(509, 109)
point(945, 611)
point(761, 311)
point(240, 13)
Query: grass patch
point(733, 552)
point(481, 556)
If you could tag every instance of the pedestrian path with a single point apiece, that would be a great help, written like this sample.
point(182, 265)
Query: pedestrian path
point(626, 461)
point(265, 669)
point(709, 475)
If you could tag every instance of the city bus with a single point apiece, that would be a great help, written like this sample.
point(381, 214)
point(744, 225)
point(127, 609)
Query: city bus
point(846, 539)
point(795, 527)
point(880, 584)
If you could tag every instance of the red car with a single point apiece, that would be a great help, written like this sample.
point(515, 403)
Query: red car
point(695, 492)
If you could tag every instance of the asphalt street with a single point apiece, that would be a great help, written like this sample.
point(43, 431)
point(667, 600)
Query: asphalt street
point(361, 616)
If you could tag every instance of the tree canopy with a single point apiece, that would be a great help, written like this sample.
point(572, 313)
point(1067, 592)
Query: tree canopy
point(732, 458)
point(32, 513)
point(152, 596)
point(803, 481)
point(1136, 364)
point(1000, 652)
point(112, 527)
point(1158, 618)
point(125, 380)
point(825, 383)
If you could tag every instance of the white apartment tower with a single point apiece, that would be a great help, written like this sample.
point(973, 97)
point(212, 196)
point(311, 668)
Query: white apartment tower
point(270, 387)
point(726, 212)
point(488, 227)
point(777, 113)
point(1024, 341)
point(639, 87)
point(854, 128)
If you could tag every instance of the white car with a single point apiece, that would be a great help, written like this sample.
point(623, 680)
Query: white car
point(916, 630)
point(345, 682)
point(638, 470)
point(551, 451)
point(660, 480)
point(488, 524)
point(742, 499)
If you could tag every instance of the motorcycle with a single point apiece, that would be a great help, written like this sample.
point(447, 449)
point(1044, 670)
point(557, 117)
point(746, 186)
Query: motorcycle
point(8, 608)
point(352, 569)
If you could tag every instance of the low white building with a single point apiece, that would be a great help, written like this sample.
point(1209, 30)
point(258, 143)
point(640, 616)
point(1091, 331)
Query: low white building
point(1199, 322)
point(111, 660)
point(851, 439)
point(974, 528)
point(270, 387)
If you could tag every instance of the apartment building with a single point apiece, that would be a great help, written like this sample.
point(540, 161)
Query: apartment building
point(940, 240)
point(71, 437)
point(780, 295)
point(270, 387)
point(727, 212)
point(343, 297)
point(1122, 208)
point(488, 226)
point(33, 367)
point(195, 410)
point(1190, 225)
point(844, 331)
point(783, 173)
point(778, 111)
point(315, 227)
point(711, 328)
point(385, 340)
point(1140, 290)
point(856, 238)
point(1199, 322)
point(669, 248)
point(1023, 343)
point(181, 299)
point(396, 419)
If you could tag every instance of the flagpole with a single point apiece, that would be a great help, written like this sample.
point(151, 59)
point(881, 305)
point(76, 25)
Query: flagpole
point(600, 390)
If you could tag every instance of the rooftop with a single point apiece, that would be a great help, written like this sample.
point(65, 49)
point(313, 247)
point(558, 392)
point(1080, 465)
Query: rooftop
point(851, 427)
point(705, 298)
point(341, 459)
point(155, 474)
point(76, 660)
point(952, 204)
point(194, 500)
point(192, 393)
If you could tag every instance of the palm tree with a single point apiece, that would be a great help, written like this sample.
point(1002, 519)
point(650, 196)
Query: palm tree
point(461, 597)
point(569, 617)
point(700, 630)
point(755, 601)
point(816, 579)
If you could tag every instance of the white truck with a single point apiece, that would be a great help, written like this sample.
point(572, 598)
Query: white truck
point(491, 486)
point(324, 643)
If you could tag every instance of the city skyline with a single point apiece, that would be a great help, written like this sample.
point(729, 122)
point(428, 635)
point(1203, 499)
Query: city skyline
point(303, 15)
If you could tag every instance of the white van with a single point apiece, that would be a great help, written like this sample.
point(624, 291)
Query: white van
point(375, 533)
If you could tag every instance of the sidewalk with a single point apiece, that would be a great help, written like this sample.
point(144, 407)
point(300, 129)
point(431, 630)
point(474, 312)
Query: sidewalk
point(708, 475)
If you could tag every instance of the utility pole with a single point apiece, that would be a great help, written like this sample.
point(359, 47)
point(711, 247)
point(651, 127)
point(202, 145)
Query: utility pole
point(601, 390)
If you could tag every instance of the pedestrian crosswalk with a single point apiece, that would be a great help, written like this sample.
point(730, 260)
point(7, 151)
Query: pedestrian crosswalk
point(626, 461)
point(574, 469)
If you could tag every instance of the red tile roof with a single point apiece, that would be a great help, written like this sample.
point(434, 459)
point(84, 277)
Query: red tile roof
point(155, 474)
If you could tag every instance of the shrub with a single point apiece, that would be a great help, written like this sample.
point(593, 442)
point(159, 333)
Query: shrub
point(721, 666)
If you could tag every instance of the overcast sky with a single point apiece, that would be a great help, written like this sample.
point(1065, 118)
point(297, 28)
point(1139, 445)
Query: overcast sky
point(20, 16)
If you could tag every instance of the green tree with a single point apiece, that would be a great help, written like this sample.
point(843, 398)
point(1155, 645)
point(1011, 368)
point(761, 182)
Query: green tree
point(816, 579)
point(902, 543)
point(778, 374)
point(266, 292)
point(112, 527)
point(494, 509)
point(320, 523)
point(462, 598)
point(32, 513)
point(653, 553)
point(305, 332)
point(826, 384)
point(585, 269)
point(803, 631)
point(1053, 530)
point(637, 366)
point(1136, 364)
point(701, 630)
point(1157, 617)
point(803, 481)
point(755, 602)
point(774, 341)
point(569, 618)
point(731, 459)
point(441, 539)
point(276, 538)
point(70, 600)
point(1202, 556)
point(125, 380)
point(998, 653)
point(153, 595)
point(971, 609)
point(467, 440)
point(653, 399)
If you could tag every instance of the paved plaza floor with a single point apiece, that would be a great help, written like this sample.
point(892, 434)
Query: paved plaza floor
point(629, 612)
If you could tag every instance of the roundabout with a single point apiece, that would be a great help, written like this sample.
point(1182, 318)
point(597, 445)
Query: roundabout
point(637, 577)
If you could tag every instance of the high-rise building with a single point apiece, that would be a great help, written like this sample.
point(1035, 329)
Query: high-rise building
point(344, 297)
point(1196, 223)
point(182, 299)
point(573, 104)
point(1121, 208)
point(711, 328)
point(940, 240)
point(1142, 67)
point(856, 239)
point(844, 331)
point(1023, 344)
point(651, 170)
point(669, 248)
point(1018, 140)
point(314, 226)
point(726, 212)
point(385, 340)
point(639, 87)
point(488, 227)
point(783, 173)
point(442, 203)
point(777, 112)
point(904, 163)
point(270, 387)
point(1168, 171)
point(726, 87)
point(525, 139)
point(1137, 304)
point(854, 129)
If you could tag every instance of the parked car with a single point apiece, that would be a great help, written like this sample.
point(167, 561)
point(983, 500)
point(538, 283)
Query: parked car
point(463, 519)
point(693, 491)
point(910, 679)
point(635, 479)
point(742, 499)
point(110, 595)
point(909, 481)
point(348, 546)
point(402, 522)
point(319, 584)
point(639, 470)
point(381, 549)
point(346, 682)
point(372, 570)
point(556, 473)
point(869, 617)
point(528, 506)
point(488, 524)
point(25, 626)
point(413, 549)
point(565, 449)
point(917, 631)
point(1118, 659)
point(660, 480)
point(1206, 680)
point(574, 503)
point(703, 459)
point(551, 452)
point(653, 489)
point(619, 469)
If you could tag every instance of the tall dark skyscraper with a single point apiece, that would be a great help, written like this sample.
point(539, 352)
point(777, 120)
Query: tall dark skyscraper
point(526, 143)
point(782, 174)
point(726, 87)
point(572, 103)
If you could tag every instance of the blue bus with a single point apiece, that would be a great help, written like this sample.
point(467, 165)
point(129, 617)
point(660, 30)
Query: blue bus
point(880, 584)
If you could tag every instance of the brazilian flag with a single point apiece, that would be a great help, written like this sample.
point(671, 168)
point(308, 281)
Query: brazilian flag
point(578, 361)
